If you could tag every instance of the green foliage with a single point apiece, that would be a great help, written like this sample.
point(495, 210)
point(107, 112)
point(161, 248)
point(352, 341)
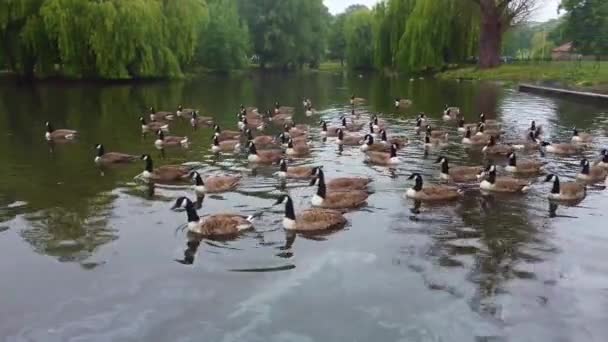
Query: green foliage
point(336, 41)
point(587, 25)
point(225, 42)
point(286, 33)
point(358, 35)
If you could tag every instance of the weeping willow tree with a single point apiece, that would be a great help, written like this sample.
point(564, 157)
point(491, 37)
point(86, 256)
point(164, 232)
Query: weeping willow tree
point(358, 33)
point(112, 39)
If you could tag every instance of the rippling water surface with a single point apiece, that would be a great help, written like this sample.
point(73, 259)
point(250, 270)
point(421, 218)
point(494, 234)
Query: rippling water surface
point(92, 255)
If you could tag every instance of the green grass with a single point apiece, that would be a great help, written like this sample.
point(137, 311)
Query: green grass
point(578, 74)
point(331, 66)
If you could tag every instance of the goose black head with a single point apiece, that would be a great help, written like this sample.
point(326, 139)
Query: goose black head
point(441, 159)
point(248, 134)
point(160, 134)
point(418, 122)
point(369, 139)
point(49, 127)
point(100, 150)
point(352, 112)
point(533, 125)
point(383, 135)
point(286, 127)
point(283, 165)
point(252, 148)
point(550, 177)
point(481, 127)
point(142, 120)
point(461, 122)
point(429, 129)
point(427, 139)
point(152, 111)
point(179, 107)
point(418, 179)
point(585, 165)
point(182, 203)
point(482, 117)
point(393, 150)
point(492, 141)
point(216, 140)
point(421, 116)
point(467, 134)
point(604, 153)
point(340, 133)
point(276, 105)
point(148, 160)
point(574, 132)
point(217, 129)
point(556, 186)
point(343, 119)
point(545, 143)
point(531, 136)
point(196, 178)
point(512, 159)
point(371, 127)
point(290, 143)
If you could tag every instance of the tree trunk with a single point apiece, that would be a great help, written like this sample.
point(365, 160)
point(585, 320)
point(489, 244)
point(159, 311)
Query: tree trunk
point(490, 39)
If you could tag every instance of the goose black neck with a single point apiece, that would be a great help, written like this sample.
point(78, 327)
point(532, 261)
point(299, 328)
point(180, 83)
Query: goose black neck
point(427, 139)
point(290, 144)
point(383, 137)
point(492, 176)
point(605, 158)
point(191, 212)
point(461, 122)
point(199, 180)
point(344, 121)
point(555, 189)
point(370, 140)
point(289, 211)
point(149, 165)
point(322, 189)
point(324, 126)
point(512, 160)
point(371, 127)
point(340, 135)
point(445, 168)
point(216, 141)
point(101, 151)
point(49, 128)
point(468, 134)
point(283, 166)
point(418, 184)
point(585, 169)
point(249, 135)
point(253, 149)
point(393, 151)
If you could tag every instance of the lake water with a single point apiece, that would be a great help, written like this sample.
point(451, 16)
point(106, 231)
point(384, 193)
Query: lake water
point(90, 255)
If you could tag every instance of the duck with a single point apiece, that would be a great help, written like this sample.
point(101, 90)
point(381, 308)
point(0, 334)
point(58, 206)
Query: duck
point(350, 126)
point(107, 158)
point(378, 123)
point(462, 126)
point(369, 145)
point(458, 174)
point(225, 135)
point(579, 137)
point(336, 199)
point(481, 130)
point(156, 116)
point(184, 112)
point(171, 140)
point(328, 131)
point(214, 184)
point(356, 100)
point(310, 220)
point(216, 225)
point(430, 142)
point(604, 161)
point(400, 142)
point(431, 193)
point(350, 140)
point(383, 158)
point(165, 173)
point(563, 149)
point(568, 191)
point(402, 103)
point(153, 126)
point(260, 140)
point(475, 140)
point(196, 120)
point(344, 183)
point(591, 174)
point(59, 134)
point(225, 145)
point(295, 172)
point(501, 184)
point(293, 150)
point(435, 133)
point(525, 167)
point(497, 149)
point(263, 156)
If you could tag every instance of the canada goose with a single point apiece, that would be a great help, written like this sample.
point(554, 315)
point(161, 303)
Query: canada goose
point(430, 142)
point(462, 126)
point(225, 146)
point(536, 131)
point(306, 102)
point(604, 161)
point(216, 225)
point(351, 140)
point(310, 220)
point(383, 158)
point(295, 172)
point(153, 126)
point(400, 142)
point(530, 144)
point(245, 123)
point(488, 122)
point(214, 184)
point(402, 103)
point(481, 130)
point(171, 140)
point(419, 124)
point(497, 149)
point(581, 137)
point(560, 149)
point(344, 183)
point(422, 118)
point(450, 112)
point(263, 156)
point(350, 126)
point(278, 109)
point(431, 193)
point(369, 145)
point(458, 174)
point(435, 133)
point(330, 131)
point(196, 120)
point(356, 100)
point(295, 131)
point(164, 174)
point(525, 166)
point(297, 150)
point(378, 123)
point(476, 140)
point(107, 158)
point(226, 135)
point(301, 140)
point(279, 119)
point(154, 116)
point(250, 112)
point(336, 199)
point(184, 112)
point(568, 191)
point(260, 140)
point(59, 134)
point(501, 184)
point(591, 174)
point(309, 111)
point(372, 129)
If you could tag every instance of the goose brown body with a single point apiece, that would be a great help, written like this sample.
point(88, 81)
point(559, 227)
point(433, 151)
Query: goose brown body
point(222, 225)
point(458, 174)
point(432, 192)
point(336, 199)
point(310, 220)
point(215, 184)
point(165, 173)
point(566, 191)
point(109, 158)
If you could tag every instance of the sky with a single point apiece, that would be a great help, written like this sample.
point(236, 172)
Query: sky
point(547, 8)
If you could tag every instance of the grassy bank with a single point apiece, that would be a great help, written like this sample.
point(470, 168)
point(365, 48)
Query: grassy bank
point(588, 75)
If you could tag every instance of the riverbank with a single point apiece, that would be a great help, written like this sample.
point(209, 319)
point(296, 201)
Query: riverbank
point(587, 76)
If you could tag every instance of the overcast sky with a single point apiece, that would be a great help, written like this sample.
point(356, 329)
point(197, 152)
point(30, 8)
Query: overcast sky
point(547, 8)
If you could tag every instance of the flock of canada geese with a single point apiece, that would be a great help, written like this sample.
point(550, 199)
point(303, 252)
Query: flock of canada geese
point(334, 196)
